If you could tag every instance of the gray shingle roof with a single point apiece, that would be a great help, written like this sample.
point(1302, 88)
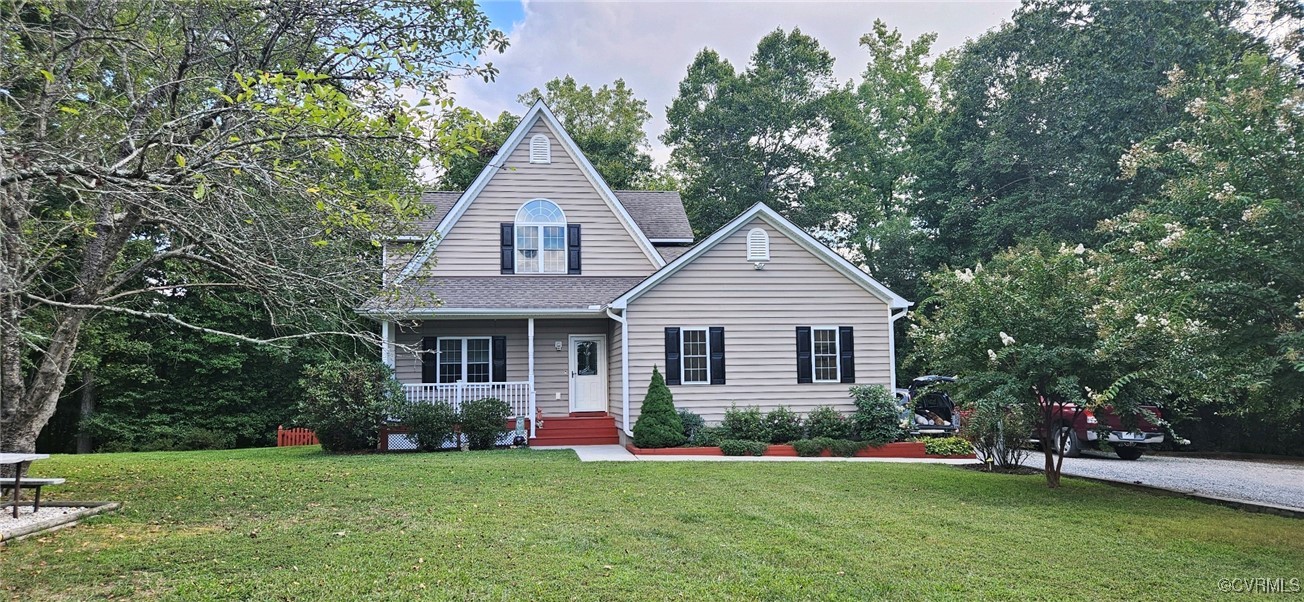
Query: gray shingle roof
point(504, 292)
point(659, 214)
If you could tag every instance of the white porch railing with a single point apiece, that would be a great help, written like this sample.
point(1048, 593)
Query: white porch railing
point(516, 394)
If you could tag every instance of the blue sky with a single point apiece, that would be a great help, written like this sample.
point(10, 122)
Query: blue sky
point(650, 44)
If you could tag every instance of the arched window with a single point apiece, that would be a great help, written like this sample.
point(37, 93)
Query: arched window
point(540, 238)
point(540, 149)
point(758, 245)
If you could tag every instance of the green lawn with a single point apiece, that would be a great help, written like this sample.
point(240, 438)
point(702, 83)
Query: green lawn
point(295, 524)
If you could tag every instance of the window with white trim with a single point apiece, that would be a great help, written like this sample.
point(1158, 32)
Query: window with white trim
point(464, 358)
point(695, 360)
point(825, 354)
point(540, 149)
point(758, 245)
point(540, 238)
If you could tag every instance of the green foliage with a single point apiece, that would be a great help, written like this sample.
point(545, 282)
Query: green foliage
point(484, 421)
point(741, 447)
point(745, 423)
point(431, 424)
point(783, 424)
point(948, 446)
point(738, 138)
point(658, 424)
point(707, 437)
point(345, 402)
point(693, 423)
point(847, 448)
point(827, 422)
point(606, 123)
point(808, 448)
point(462, 168)
point(878, 417)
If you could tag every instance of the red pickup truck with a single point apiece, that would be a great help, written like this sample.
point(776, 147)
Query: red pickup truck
point(1087, 429)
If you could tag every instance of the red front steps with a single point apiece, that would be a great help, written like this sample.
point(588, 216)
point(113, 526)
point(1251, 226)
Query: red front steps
point(590, 428)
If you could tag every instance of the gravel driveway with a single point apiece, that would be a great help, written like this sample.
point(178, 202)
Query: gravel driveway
point(1271, 482)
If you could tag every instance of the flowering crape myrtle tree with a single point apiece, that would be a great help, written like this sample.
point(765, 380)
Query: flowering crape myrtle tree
point(151, 148)
point(1023, 332)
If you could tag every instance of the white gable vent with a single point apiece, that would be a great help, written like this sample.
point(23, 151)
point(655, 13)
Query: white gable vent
point(758, 245)
point(540, 149)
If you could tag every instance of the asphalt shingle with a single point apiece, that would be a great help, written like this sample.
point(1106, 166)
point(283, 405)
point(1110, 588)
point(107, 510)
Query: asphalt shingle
point(659, 214)
point(505, 292)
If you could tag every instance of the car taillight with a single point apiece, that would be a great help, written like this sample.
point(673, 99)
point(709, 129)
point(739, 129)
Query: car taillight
point(1091, 418)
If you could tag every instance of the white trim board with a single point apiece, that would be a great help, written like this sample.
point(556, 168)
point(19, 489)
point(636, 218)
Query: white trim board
point(780, 223)
point(538, 111)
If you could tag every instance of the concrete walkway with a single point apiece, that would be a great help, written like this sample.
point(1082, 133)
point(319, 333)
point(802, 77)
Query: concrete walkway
point(618, 453)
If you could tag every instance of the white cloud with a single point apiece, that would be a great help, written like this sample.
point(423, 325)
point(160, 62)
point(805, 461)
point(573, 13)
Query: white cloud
point(650, 45)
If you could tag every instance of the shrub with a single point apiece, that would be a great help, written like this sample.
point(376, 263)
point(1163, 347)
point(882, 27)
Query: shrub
point(693, 423)
point(430, 424)
point(948, 446)
point(846, 447)
point(344, 402)
point(740, 447)
point(825, 421)
point(707, 437)
point(807, 448)
point(745, 424)
point(784, 425)
point(658, 424)
point(484, 421)
point(999, 432)
point(878, 417)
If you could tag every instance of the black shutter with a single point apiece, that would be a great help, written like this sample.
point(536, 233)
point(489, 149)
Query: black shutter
point(672, 356)
point(847, 354)
point(572, 248)
point(715, 345)
point(804, 367)
point(498, 369)
point(507, 247)
point(429, 360)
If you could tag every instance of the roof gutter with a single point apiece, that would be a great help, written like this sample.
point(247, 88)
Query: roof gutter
point(624, 370)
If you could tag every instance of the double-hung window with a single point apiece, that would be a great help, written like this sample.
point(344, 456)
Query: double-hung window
point(696, 367)
point(695, 355)
point(540, 238)
point(464, 359)
point(825, 354)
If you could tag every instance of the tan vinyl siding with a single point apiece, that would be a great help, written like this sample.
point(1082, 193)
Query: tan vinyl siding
point(472, 245)
point(396, 256)
point(759, 310)
point(551, 367)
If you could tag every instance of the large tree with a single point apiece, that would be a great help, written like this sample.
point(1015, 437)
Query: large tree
point(759, 135)
point(1037, 113)
point(206, 145)
point(460, 169)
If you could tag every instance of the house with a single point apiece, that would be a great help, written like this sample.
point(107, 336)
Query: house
point(543, 287)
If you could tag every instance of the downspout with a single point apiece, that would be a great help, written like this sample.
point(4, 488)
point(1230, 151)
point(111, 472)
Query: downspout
point(891, 345)
point(624, 370)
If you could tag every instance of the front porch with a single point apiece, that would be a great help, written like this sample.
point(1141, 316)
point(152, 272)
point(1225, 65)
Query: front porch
point(562, 374)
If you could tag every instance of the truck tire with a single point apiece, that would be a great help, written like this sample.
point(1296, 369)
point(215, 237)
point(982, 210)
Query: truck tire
point(1072, 447)
point(1127, 452)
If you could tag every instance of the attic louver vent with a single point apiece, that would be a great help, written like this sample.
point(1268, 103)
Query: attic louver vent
point(758, 245)
point(540, 149)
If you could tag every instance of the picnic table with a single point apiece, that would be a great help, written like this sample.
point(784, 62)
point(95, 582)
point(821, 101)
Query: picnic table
point(17, 460)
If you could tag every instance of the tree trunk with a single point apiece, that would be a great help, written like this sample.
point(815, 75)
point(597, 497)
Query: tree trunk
point(87, 408)
point(1052, 474)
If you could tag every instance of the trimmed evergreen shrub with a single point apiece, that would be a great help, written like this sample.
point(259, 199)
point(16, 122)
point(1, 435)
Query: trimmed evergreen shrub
point(484, 421)
point(739, 447)
point(807, 448)
point(693, 424)
point(878, 417)
point(784, 425)
point(825, 421)
point(744, 424)
point(658, 424)
point(430, 424)
point(948, 446)
point(846, 447)
point(707, 437)
point(345, 402)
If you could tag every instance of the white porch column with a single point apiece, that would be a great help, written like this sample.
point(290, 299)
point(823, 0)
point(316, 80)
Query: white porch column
point(533, 400)
point(387, 342)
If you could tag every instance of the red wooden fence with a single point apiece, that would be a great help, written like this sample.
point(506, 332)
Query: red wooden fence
point(299, 436)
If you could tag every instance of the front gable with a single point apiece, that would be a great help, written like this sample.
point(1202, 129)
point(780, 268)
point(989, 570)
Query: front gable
point(468, 238)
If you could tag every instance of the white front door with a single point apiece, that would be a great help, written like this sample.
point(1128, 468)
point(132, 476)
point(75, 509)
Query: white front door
point(588, 383)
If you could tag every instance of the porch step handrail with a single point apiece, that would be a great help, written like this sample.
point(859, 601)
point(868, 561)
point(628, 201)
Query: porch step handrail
point(517, 394)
